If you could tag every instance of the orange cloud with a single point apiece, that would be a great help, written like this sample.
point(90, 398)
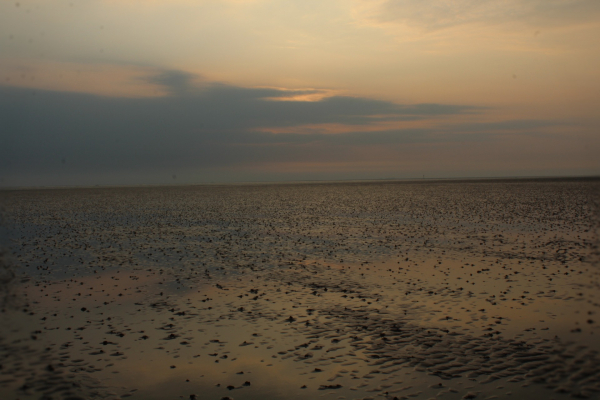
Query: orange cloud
point(308, 94)
point(382, 123)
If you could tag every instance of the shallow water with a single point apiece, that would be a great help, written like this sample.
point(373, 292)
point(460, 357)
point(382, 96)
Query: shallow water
point(449, 290)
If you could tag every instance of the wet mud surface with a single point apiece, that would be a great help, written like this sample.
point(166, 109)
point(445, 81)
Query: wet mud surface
point(376, 290)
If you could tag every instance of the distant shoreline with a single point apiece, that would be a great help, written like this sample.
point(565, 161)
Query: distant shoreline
point(318, 182)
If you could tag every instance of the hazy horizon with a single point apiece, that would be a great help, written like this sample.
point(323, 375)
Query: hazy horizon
point(461, 179)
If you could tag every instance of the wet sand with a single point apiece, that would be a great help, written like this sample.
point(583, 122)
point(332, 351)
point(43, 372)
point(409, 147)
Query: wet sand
point(382, 290)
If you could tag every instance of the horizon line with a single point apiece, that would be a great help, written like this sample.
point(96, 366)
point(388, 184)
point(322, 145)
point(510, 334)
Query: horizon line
point(309, 181)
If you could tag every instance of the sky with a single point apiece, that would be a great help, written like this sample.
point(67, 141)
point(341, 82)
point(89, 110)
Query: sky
point(136, 92)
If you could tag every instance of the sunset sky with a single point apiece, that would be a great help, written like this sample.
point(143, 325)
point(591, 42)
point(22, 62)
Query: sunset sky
point(193, 91)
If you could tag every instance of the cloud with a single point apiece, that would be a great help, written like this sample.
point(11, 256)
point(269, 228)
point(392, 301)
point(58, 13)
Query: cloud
point(441, 14)
point(195, 126)
point(54, 135)
point(178, 83)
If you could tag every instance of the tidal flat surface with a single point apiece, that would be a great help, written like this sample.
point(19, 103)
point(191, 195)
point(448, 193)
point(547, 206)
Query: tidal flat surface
point(363, 290)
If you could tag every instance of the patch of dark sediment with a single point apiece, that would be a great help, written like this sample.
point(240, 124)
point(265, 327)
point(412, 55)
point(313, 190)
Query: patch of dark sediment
point(32, 368)
point(29, 369)
point(388, 341)
point(595, 219)
point(351, 313)
point(29, 372)
point(7, 275)
point(70, 232)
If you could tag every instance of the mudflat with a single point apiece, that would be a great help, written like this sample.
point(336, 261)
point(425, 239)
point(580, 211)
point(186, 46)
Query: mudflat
point(343, 290)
